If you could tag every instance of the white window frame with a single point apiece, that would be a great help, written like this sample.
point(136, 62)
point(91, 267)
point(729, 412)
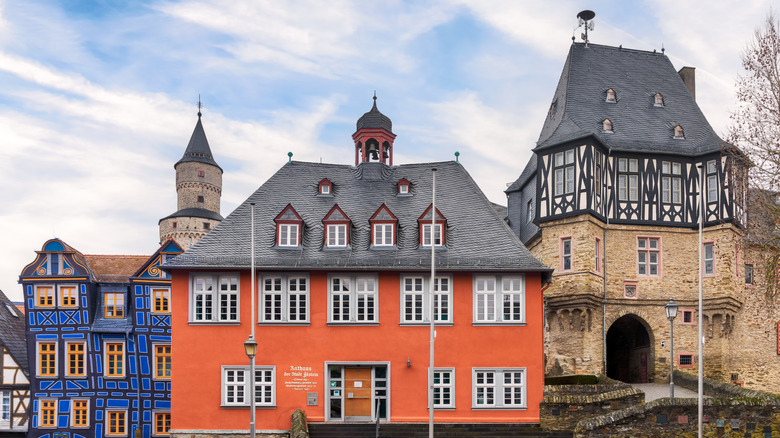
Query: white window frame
point(265, 387)
point(5, 407)
point(350, 299)
point(628, 179)
point(529, 211)
point(648, 257)
point(491, 295)
point(415, 289)
point(442, 387)
point(211, 297)
point(564, 172)
point(286, 238)
point(712, 182)
point(282, 296)
point(708, 261)
point(403, 189)
point(425, 241)
point(336, 235)
point(385, 237)
point(497, 388)
point(566, 255)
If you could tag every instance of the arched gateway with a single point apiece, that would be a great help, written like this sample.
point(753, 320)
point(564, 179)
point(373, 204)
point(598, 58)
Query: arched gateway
point(629, 352)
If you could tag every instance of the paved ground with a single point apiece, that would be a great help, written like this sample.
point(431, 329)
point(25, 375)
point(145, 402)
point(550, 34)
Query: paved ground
point(659, 390)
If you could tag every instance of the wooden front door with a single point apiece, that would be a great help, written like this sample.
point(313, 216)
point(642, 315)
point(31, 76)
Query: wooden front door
point(358, 391)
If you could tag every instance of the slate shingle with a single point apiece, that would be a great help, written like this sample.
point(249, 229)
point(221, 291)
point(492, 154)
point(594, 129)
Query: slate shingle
point(12, 332)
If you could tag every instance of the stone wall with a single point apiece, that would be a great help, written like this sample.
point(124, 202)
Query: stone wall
point(190, 185)
point(564, 406)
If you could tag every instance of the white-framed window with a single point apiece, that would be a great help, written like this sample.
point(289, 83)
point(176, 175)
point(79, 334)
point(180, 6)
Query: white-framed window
point(5, 406)
point(353, 299)
point(611, 97)
point(284, 298)
point(564, 172)
point(566, 254)
point(606, 125)
point(648, 256)
point(403, 189)
point(383, 234)
point(337, 235)
point(426, 235)
point(709, 258)
point(235, 386)
point(712, 182)
point(529, 211)
point(671, 183)
point(499, 388)
point(628, 179)
point(499, 299)
point(288, 235)
point(415, 299)
point(444, 388)
point(214, 298)
point(658, 100)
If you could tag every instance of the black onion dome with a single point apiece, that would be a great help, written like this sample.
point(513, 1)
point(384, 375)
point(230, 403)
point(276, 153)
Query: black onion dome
point(374, 119)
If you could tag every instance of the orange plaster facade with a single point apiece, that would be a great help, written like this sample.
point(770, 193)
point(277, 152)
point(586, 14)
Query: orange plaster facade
point(200, 350)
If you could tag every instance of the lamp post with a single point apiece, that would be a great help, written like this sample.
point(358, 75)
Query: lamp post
point(250, 347)
point(671, 313)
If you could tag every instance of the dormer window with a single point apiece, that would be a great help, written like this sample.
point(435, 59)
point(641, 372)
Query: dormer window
point(403, 187)
point(383, 227)
point(288, 228)
point(658, 100)
point(425, 229)
point(611, 96)
point(114, 305)
point(325, 188)
point(606, 125)
point(337, 226)
point(678, 132)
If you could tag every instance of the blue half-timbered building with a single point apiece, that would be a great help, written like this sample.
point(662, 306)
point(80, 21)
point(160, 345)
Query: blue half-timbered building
point(98, 342)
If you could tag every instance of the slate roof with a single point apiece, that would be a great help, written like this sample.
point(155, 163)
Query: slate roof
point(112, 325)
point(528, 173)
point(579, 107)
point(198, 149)
point(12, 332)
point(374, 119)
point(476, 237)
point(114, 268)
point(195, 212)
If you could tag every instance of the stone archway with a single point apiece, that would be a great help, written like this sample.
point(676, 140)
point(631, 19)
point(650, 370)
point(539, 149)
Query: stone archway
point(629, 351)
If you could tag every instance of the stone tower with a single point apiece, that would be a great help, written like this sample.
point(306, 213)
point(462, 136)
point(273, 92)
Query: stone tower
point(198, 190)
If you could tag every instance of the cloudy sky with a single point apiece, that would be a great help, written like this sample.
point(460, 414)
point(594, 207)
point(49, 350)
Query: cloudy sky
point(98, 98)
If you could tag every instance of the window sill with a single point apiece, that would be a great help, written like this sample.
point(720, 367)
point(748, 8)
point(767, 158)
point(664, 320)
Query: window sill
point(114, 377)
point(383, 247)
point(352, 323)
point(426, 324)
point(214, 322)
point(288, 248)
point(498, 324)
point(499, 408)
point(284, 323)
point(246, 407)
point(337, 248)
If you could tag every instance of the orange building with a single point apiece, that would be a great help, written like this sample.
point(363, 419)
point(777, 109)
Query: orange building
point(343, 270)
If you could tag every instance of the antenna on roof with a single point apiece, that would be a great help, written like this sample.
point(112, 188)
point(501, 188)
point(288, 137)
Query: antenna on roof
point(585, 18)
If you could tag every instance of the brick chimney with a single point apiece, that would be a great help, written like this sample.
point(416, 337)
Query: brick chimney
point(688, 76)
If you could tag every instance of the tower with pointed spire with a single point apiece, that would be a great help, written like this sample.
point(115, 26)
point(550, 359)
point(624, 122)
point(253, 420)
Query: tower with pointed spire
point(198, 192)
point(374, 138)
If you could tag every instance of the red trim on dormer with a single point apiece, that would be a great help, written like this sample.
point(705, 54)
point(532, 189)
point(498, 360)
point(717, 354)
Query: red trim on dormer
point(440, 220)
point(404, 182)
point(296, 220)
point(393, 220)
point(337, 221)
point(325, 182)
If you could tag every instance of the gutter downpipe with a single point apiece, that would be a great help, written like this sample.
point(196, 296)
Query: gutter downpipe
point(604, 267)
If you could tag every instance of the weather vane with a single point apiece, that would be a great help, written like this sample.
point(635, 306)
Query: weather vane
point(585, 20)
point(200, 106)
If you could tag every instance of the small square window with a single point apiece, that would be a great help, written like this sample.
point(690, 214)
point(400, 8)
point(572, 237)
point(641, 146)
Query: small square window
point(200, 198)
point(206, 226)
point(201, 173)
point(687, 316)
point(685, 360)
point(174, 224)
point(403, 189)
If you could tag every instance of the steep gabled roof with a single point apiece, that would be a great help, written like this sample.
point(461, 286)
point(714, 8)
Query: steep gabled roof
point(198, 149)
point(579, 107)
point(477, 238)
point(114, 268)
point(12, 332)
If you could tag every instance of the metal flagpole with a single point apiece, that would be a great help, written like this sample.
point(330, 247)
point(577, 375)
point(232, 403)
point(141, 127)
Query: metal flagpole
point(701, 338)
point(431, 302)
point(252, 335)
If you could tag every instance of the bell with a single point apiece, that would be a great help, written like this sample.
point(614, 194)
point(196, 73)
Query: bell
point(373, 151)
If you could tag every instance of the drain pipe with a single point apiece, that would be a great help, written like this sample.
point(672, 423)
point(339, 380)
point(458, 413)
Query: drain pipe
point(604, 268)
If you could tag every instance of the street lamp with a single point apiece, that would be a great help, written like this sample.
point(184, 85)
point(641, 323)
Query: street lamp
point(671, 313)
point(250, 347)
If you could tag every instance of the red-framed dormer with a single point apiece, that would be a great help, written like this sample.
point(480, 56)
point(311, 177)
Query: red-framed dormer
point(404, 187)
point(384, 228)
point(289, 228)
point(325, 187)
point(337, 226)
point(424, 223)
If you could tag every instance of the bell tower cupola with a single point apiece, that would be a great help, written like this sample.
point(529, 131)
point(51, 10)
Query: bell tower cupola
point(374, 138)
point(198, 193)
